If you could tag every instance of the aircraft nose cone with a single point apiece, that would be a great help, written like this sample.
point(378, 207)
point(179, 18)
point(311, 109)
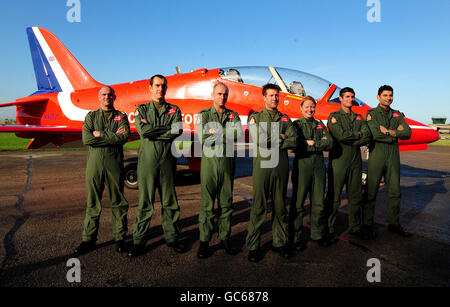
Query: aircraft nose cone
point(434, 135)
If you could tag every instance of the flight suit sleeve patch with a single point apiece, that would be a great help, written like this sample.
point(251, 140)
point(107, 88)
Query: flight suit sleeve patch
point(333, 120)
point(172, 110)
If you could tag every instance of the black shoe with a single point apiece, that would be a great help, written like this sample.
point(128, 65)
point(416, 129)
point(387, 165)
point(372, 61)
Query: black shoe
point(323, 242)
point(136, 250)
point(254, 255)
point(369, 232)
point(398, 229)
point(299, 246)
point(285, 251)
point(177, 246)
point(332, 238)
point(229, 249)
point(360, 234)
point(203, 250)
point(84, 247)
point(120, 246)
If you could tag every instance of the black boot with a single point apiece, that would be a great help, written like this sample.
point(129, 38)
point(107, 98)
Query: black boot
point(84, 247)
point(229, 249)
point(203, 250)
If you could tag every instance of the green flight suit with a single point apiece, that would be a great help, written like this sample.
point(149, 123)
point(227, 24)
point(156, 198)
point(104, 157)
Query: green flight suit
point(270, 175)
point(156, 168)
point(309, 176)
point(217, 169)
point(384, 160)
point(105, 166)
point(345, 166)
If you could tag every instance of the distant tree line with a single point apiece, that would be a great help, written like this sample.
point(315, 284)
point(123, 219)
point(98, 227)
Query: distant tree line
point(8, 122)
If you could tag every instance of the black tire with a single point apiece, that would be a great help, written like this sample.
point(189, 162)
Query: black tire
point(130, 176)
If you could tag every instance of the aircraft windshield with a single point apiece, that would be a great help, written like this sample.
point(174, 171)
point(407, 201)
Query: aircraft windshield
point(292, 81)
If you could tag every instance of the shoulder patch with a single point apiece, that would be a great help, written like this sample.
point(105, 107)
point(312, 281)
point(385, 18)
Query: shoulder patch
point(252, 121)
point(369, 117)
point(136, 112)
point(333, 120)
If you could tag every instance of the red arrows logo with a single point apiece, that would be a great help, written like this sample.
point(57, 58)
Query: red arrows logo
point(172, 110)
point(117, 118)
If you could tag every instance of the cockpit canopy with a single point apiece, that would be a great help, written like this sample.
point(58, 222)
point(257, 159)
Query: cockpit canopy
point(290, 81)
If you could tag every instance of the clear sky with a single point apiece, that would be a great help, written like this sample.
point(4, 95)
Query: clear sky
point(121, 41)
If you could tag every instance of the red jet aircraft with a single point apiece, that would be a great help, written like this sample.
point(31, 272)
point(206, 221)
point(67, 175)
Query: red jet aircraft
point(54, 115)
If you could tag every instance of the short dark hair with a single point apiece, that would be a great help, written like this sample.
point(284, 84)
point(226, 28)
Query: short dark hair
point(385, 88)
point(346, 90)
point(270, 86)
point(158, 76)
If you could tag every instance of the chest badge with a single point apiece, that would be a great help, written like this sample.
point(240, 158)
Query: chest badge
point(231, 116)
point(358, 117)
point(118, 118)
point(395, 115)
point(172, 110)
point(284, 119)
point(319, 127)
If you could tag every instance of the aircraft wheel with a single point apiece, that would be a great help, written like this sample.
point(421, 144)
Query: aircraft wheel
point(130, 176)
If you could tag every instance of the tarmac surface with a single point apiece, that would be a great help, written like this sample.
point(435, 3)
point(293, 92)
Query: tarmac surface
point(42, 209)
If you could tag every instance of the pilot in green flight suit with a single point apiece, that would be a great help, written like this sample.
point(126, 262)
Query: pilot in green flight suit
point(158, 124)
point(270, 173)
point(218, 128)
point(105, 131)
point(309, 175)
point(350, 132)
point(387, 127)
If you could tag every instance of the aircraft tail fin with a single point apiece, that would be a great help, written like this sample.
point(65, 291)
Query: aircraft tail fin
point(56, 69)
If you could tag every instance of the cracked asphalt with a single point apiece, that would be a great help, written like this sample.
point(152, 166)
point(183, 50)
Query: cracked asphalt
point(42, 208)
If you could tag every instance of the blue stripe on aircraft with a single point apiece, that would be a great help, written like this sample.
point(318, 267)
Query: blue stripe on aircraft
point(45, 77)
